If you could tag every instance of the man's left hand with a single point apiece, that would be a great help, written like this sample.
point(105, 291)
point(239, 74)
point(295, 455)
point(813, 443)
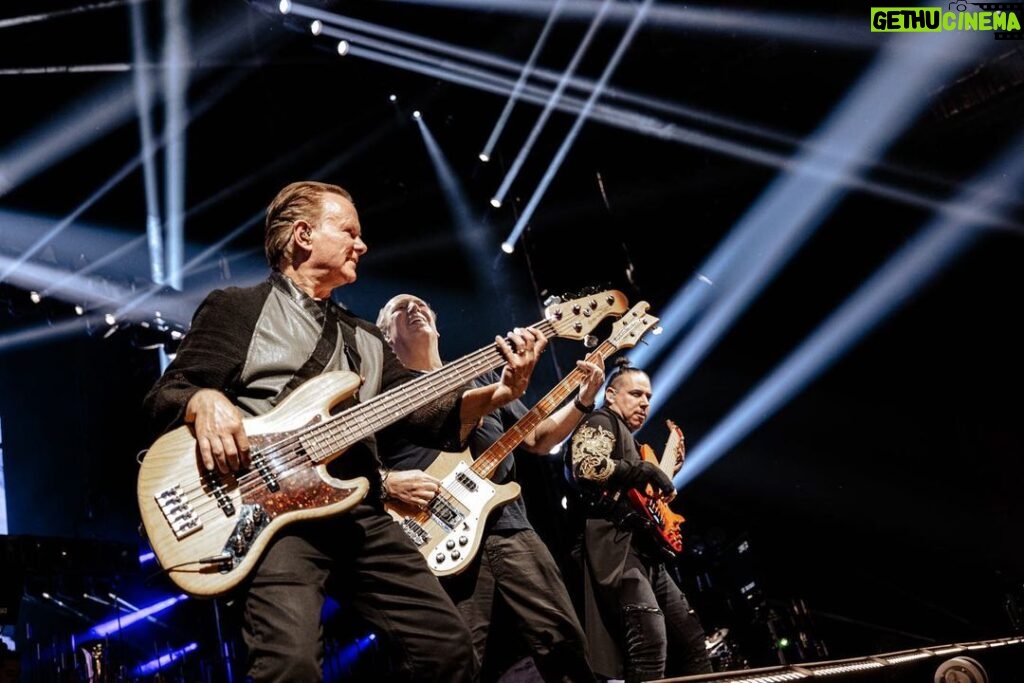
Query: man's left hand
point(527, 343)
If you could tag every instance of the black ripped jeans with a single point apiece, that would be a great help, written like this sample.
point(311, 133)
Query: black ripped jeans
point(655, 616)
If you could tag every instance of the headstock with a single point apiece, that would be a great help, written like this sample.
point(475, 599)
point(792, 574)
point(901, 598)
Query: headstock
point(675, 449)
point(576, 318)
point(628, 330)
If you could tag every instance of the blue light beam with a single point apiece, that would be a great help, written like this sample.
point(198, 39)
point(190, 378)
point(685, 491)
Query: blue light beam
point(905, 272)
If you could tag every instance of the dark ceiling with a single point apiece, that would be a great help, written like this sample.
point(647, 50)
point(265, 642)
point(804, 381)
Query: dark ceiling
point(902, 458)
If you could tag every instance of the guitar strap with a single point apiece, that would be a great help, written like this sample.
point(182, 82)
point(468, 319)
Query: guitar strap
point(321, 355)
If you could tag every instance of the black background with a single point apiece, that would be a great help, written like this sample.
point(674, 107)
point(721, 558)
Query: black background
point(884, 494)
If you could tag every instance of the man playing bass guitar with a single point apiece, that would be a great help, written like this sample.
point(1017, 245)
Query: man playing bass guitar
point(252, 352)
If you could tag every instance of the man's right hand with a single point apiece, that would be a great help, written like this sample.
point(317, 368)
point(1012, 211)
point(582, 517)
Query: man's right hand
point(413, 487)
point(217, 426)
point(638, 475)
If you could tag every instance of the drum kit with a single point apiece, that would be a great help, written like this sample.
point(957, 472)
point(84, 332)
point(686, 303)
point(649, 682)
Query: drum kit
point(722, 651)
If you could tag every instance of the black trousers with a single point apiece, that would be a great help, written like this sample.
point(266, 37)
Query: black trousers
point(364, 560)
point(655, 619)
point(516, 568)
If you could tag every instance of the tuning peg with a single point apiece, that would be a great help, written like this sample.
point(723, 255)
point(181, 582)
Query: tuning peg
point(553, 299)
point(590, 341)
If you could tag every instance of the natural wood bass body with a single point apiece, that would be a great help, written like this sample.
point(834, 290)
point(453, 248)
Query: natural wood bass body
point(208, 529)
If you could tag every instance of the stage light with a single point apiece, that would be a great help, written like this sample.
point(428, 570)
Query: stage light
point(122, 621)
point(110, 319)
point(175, 127)
point(527, 70)
point(343, 47)
point(630, 120)
point(348, 655)
point(899, 659)
point(484, 158)
point(797, 203)
point(847, 668)
point(496, 203)
point(142, 79)
point(316, 26)
point(467, 229)
point(392, 98)
point(905, 272)
point(507, 247)
point(556, 95)
point(34, 297)
point(416, 114)
point(164, 660)
point(79, 309)
point(284, 7)
point(556, 163)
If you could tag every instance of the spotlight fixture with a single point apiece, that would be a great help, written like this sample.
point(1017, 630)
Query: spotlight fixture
point(484, 158)
point(343, 47)
point(34, 297)
point(496, 203)
point(285, 6)
point(316, 26)
point(416, 114)
point(507, 247)
point(79, 309)
point(392, 98)
point(110, 319)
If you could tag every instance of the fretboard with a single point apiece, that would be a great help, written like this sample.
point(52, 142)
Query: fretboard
point(326, 440)
point(490, 459)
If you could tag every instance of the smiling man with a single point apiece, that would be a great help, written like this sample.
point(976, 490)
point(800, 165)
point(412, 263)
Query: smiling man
point(514, 573)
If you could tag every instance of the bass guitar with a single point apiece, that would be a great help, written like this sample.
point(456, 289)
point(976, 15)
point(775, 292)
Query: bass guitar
point(664, 523)
point(207, 529)
point(449, 531)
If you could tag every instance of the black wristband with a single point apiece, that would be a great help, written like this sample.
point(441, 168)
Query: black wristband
point(578, 404)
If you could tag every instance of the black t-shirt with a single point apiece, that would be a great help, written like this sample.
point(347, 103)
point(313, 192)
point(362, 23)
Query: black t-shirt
point(399, 453)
